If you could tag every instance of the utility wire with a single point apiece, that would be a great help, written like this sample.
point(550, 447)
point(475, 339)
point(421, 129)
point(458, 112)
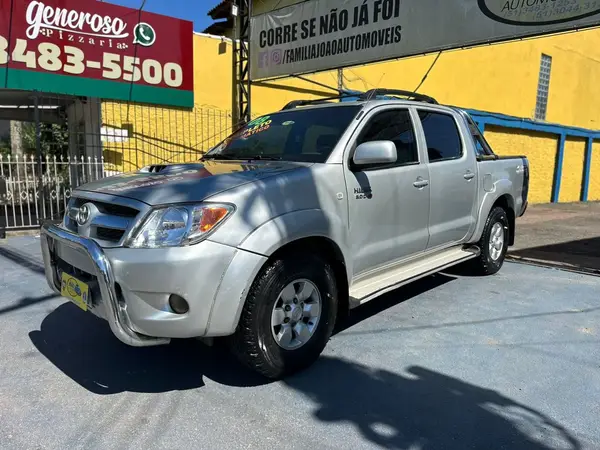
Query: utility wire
point(276, 5)
point(135, 49)
point(429, 71)
point(8, 48)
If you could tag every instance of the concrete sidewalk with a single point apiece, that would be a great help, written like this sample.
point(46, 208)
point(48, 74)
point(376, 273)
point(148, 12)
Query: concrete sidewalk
point(563, 235)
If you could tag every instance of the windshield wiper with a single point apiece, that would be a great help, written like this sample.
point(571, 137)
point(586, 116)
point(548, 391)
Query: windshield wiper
point(262, 157)
point(242, 158)
point(223, 157)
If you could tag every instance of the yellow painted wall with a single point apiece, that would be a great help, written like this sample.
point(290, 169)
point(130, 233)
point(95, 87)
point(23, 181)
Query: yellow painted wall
point(161, 134)
point(540, 150)
point(594, 190)
point(572, 171)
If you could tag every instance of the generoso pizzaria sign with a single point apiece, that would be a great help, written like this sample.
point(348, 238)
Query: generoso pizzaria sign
point(92, 48)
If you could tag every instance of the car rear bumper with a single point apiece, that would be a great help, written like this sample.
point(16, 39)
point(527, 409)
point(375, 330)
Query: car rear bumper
point(131, 287)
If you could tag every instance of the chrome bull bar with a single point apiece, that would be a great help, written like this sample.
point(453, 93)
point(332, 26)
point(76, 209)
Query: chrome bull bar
point(116, 314)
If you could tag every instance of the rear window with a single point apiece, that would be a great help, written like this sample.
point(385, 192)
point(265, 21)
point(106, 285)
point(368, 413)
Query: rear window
point(442, 136)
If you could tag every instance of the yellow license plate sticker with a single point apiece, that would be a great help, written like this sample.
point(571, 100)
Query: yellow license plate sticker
point(76, 291)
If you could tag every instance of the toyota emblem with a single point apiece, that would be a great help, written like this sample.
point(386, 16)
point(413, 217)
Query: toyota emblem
point(83, 215)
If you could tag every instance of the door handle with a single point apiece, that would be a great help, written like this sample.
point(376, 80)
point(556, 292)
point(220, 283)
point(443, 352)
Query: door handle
point(469, 176)
point(421, 183)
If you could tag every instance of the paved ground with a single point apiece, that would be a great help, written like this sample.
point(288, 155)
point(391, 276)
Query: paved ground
point(510, 361)
point(564, 235)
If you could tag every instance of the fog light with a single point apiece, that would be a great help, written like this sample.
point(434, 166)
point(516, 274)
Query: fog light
point(178, 304)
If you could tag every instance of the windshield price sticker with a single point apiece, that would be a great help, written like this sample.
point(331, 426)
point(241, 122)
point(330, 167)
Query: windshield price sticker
point(257, 126)
point(95, 40)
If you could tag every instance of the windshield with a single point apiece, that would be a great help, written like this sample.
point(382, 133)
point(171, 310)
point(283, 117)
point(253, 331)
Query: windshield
point(303, 135)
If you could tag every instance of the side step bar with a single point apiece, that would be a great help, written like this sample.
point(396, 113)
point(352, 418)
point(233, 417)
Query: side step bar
point(370, 288)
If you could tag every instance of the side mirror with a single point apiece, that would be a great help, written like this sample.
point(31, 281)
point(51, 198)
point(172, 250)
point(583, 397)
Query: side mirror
point(375, 152)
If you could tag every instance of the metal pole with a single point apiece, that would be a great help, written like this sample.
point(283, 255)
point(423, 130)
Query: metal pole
point(38, 152)
point(3, 214)
point(340, 74)
point(235, 109)
point(249, 60)
point(242, 61)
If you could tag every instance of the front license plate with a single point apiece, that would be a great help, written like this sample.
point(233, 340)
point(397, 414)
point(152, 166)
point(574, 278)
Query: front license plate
point(76, 291)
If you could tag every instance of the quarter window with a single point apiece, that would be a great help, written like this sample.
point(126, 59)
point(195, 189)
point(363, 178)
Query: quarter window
point(395, 126)
point(441, 134)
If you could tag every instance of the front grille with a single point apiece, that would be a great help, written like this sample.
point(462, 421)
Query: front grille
point(109, 222)
point(109, 234)
point(111, 209)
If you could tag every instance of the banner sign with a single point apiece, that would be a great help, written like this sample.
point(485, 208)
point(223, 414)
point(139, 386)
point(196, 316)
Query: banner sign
point(326, 34)
point(96, 49)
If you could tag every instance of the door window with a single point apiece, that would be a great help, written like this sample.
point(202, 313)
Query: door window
point(395, 126)
point(442, 136)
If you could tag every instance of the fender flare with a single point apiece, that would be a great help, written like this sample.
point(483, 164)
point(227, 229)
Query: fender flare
point(502, 188)
point(253, 254)
point(296, 225)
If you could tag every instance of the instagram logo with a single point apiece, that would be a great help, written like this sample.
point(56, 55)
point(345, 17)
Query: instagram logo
point(276, 56)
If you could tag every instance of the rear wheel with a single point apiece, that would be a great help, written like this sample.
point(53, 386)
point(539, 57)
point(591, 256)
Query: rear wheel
point(288, 316)
point(493, 243)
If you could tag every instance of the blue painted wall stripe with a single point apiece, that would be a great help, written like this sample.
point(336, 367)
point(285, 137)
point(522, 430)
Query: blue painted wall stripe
point(587, 168)
point(561, 131)
point(503, 120)
point(558, 169)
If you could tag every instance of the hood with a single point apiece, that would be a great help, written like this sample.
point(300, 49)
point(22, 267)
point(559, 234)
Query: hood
point(192, 182)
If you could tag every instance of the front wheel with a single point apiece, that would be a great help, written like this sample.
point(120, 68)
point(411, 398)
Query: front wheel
point(288, 316)
point(493, 243)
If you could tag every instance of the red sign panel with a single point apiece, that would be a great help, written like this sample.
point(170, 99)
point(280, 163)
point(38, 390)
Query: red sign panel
point(91, 48)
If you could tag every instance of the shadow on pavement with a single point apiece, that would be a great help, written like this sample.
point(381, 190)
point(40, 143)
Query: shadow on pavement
point(425, 409)
point(25, 302)
point(580, 255)
point(393, 298)
point(23, 260)
point(418, 409)
point(83, 347)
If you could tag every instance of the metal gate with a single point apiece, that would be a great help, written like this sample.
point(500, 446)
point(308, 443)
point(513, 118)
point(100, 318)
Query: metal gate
point(68, 141)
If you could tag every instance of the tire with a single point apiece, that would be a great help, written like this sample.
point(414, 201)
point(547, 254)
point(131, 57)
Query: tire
point(255, 342)
point(491, 261)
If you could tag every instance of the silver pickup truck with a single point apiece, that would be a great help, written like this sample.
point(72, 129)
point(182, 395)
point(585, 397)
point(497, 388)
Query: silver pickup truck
point(293, 220)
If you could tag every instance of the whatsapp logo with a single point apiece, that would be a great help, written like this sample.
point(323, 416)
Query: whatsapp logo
point(144, 34)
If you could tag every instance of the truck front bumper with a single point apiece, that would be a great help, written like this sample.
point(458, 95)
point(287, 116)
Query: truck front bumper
point(130, 288)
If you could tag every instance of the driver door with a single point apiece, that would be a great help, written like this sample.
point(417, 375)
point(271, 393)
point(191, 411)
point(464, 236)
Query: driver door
point(388, 205)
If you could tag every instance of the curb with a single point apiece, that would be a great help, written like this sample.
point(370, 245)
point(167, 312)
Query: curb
point(553, 265)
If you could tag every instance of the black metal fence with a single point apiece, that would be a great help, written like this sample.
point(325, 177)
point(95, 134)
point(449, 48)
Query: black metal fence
point(57, 143)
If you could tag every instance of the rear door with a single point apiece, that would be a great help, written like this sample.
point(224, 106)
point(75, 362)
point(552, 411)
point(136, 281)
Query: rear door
point(453, 178)
point(388, 204)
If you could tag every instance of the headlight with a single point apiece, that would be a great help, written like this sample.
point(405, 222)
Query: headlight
point(180, 225)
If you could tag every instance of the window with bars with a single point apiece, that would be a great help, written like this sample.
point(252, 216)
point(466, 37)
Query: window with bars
point(541, 105)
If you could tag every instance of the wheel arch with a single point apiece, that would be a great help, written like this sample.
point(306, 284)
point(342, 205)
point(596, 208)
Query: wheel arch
point(332, 253)
point(506, 201)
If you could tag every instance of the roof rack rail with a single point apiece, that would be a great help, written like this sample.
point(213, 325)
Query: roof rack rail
point(365, 96)
point(295, 103)
point(373, 93)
